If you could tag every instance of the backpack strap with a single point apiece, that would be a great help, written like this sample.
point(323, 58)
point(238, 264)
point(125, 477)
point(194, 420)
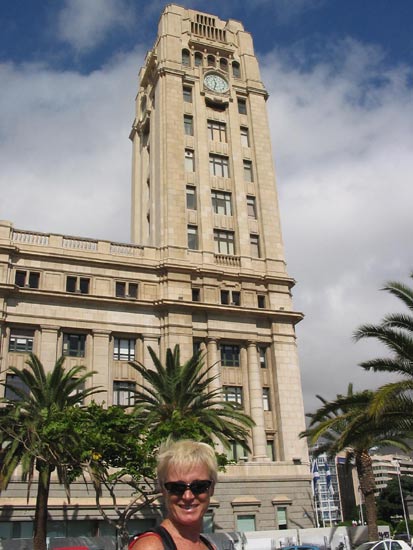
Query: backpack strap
point(159, 532)
point(207, 543)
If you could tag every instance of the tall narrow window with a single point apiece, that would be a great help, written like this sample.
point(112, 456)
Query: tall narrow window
point(198, 59)
point(196, 294)
point(266, 404)
point(189, 160)
point(255, 246)
point(186, 59)
point(247, 170)
point(236, 70)
point(251, 207)
point(263, 356)
point(282, 517)
point(123, 393)
point(191, 197)
point(124, 349)
point(189, 125)
point(224, 242)
point(192, 237)
point(218, 166)
point(217, 131)
point(74, 345)
point(187, 94)
point(242, 106)
point(237, 452)
point(211, 61)
point(271, 450)
point(245, 138)
point(261, 302)
point(233, 394)
point(221, 202)
point(223, 64)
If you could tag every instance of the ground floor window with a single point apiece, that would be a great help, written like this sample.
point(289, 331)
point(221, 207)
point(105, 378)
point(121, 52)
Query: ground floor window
point(246, 523)
point(282, 517)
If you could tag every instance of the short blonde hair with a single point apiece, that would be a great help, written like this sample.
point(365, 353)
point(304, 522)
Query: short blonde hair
point(185, 454)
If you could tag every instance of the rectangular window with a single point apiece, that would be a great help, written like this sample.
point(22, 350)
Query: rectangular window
point(232, 297)
point(192, 237)
point(261, 301)
point(221, 202)
point(123, 393)
point(188, 125)
point(230, 355)
point(196, 294)
point(218, 166)
point(217, 131)
point(248, 171)
point(224, 242)
point(124, 349)
point(245, 138)
point(74, 345)
point(191, 197)
point(255, 246)
point(21, 340)
point(237, 452)
point(126, 290)
point(251, 207)
point(29, 279)
point(13, 382)
point(266, 403)
point(282, 517)
point(246, 523)
point(242, 106)
point(189, 160)
point(77, 284)
point(187, 94)
point(263, 356)
point(233, 394)
point(271, 450)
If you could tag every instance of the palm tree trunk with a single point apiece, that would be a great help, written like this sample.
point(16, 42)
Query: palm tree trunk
point(40, 516)
point(367, 487)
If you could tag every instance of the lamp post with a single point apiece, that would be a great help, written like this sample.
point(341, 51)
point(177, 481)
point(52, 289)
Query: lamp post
point(397, 464)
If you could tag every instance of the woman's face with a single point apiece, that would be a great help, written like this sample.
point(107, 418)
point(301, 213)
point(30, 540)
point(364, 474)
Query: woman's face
point(188, 509)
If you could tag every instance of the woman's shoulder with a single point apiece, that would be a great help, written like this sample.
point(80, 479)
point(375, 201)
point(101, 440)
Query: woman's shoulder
point(147, 541)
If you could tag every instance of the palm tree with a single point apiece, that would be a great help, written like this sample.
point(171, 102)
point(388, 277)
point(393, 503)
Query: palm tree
point(36, 430)
point(346, 425)
point(396, 332)
point(176, 401)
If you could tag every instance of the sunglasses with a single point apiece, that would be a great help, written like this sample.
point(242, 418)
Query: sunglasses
point(197, 487)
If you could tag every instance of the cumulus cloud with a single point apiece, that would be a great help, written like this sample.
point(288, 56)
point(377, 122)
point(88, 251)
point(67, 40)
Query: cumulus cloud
point(85, 24)
point(342, 141)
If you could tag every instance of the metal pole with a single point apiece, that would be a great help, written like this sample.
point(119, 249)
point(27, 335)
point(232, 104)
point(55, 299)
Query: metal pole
point(401, 497)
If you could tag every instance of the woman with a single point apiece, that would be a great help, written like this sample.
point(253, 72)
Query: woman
point(187, 473)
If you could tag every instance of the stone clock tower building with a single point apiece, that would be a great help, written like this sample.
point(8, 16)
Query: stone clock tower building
point(206, 270)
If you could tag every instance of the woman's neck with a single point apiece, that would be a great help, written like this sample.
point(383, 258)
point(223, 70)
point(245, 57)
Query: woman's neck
point(187, 532)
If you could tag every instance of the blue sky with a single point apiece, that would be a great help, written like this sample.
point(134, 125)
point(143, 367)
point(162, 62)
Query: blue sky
point(339, 74)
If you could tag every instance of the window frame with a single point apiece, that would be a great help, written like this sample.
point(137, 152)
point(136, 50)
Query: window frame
point(217, 131)
point(251, 207)
point(9, 394)
point(221, 202)
point(233, 394)
point(123, 393)
point(188, 125)
point(79, 350)
point(77, 284)
point(236, 69)
point(187, 94)
point(118, 354)
point(29, 279)
point(185, 57)
point(189, 160)
point(224, 242)
point(245, 136)
point(266, 399)
point(242, 105)
point(219, 165)
point(193, 238)
point(248, 171)
point(230, 355)
point(191, 197)
point(21, 334)
point(255, 245)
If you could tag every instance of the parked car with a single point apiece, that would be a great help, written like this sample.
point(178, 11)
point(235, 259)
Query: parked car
point(385, 544)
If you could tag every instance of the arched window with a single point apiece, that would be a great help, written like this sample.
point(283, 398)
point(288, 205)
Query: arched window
point(186, 60)
point(198, 59)
point(236, 69)
point(211, 61)
point(223, 63)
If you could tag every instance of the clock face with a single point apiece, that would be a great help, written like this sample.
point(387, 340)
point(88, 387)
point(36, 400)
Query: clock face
point(216, 83)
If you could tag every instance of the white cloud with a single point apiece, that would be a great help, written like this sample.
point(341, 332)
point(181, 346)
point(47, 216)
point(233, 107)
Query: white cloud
point(342, 139)
point(84, 24)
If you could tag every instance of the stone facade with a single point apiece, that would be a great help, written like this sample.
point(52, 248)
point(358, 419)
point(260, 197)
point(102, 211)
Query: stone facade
point(207, 271)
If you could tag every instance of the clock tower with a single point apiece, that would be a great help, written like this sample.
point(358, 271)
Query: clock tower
point(204, 200)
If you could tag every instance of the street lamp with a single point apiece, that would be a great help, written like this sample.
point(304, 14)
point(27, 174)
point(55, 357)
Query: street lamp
point(397, 464)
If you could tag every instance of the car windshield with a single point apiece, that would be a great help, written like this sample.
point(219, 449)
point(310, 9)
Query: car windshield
point(366, 546)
